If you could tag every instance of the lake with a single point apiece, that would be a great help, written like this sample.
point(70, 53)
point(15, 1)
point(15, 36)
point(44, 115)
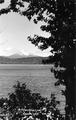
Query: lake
point(37, 77)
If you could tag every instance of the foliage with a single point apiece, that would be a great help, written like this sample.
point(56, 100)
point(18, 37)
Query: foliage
point(2, 101)
point(59, 16)
point(60, 23)
point(1, 1)
point(22, 99)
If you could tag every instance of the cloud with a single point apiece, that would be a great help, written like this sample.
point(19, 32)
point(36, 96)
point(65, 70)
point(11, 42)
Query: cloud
point(5, 4)
point(5, 51)
point(25, 52)
point(8, 49)
point(3, 42)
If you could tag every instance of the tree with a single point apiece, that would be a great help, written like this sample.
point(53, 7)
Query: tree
point(1, 1)
point(20, 97)
point(2, 101)
point(59, 16)
point(52, 106)
point(23, 97)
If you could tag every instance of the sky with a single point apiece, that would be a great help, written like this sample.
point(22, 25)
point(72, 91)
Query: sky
point(14, 30)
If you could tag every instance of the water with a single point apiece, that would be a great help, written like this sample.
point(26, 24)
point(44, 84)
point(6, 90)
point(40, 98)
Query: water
point(37, 77)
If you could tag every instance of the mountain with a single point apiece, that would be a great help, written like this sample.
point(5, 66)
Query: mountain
point(17, 56)
point(19, 59)
point(21, 55)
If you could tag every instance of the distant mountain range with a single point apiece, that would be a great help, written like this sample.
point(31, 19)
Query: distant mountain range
point(17, 56)
point(21, 56)
point(21, 59)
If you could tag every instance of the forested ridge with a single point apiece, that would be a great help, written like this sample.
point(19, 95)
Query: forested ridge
point(27, 60)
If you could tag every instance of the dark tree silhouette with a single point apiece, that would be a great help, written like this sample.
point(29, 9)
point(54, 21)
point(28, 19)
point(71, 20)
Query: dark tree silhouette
point(22, 97)
point(1, 1)
point(2, 101)
point(59, 16)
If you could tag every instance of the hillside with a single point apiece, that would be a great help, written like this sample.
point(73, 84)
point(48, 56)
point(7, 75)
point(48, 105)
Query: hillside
point(27, 60)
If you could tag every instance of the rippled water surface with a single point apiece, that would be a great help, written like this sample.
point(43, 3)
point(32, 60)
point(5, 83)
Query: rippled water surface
point(37, 77)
